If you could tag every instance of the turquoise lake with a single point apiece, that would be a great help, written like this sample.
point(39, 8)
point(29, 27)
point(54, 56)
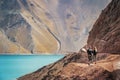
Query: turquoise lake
point(14, 66)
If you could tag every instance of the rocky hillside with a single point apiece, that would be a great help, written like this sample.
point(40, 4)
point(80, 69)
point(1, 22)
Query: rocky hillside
point(46, 26)
point(105, 34)
point(75, 67)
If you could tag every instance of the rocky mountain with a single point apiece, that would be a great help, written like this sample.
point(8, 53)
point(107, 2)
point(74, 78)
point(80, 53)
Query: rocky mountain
point(74, 66)
point(105, 34)
point(46, 26)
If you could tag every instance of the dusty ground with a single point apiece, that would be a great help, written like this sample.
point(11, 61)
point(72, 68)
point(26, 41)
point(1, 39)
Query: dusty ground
point(75, 67)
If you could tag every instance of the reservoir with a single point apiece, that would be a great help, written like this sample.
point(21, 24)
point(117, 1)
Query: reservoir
point(14, 66)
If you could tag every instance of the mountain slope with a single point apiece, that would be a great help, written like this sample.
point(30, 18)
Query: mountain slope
point(75, 67)
point(105, 34)
point(48, 26)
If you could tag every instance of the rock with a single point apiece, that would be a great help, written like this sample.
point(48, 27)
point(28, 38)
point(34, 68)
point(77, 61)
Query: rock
point(105, 34)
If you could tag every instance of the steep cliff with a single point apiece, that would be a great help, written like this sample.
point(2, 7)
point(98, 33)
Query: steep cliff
point(105, 34)
point(46, 26)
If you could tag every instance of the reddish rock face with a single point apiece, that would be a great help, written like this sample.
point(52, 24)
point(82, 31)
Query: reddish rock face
point(105, 34)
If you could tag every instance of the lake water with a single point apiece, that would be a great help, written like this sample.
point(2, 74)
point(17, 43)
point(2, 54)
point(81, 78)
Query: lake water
point(14, 66)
